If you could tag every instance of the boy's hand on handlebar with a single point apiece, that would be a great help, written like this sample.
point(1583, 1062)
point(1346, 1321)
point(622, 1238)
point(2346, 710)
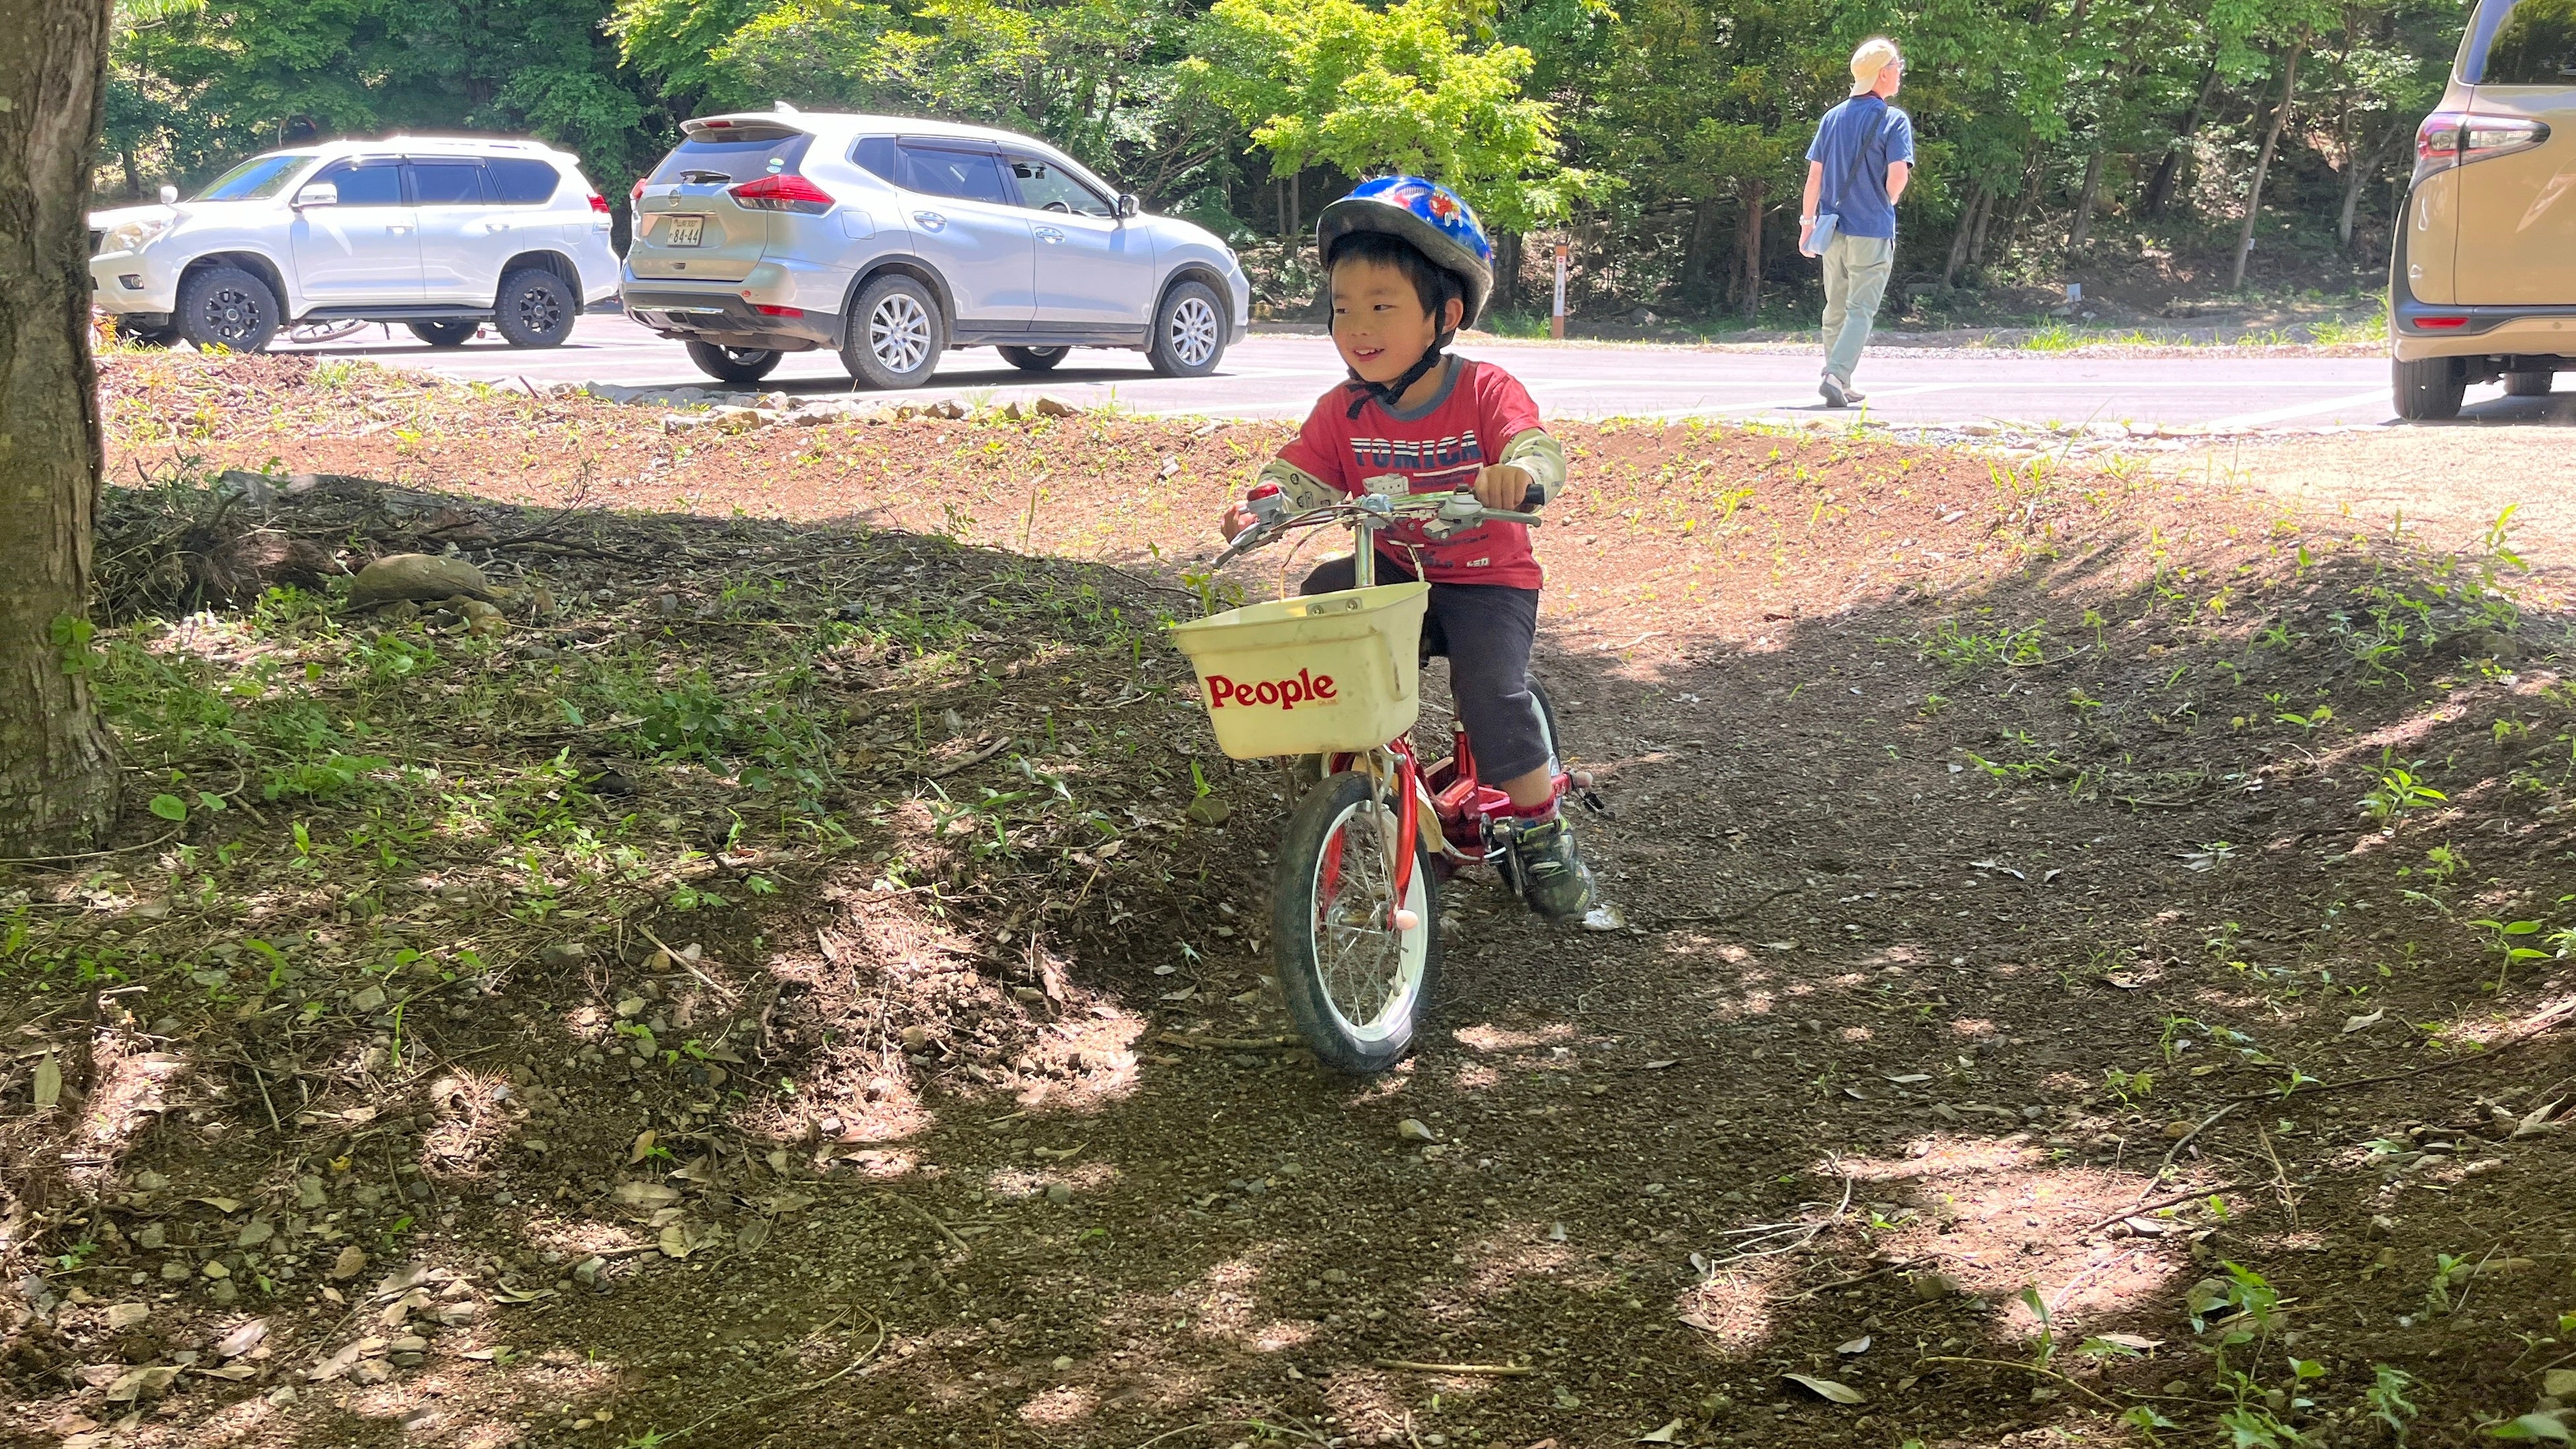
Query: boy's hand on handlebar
point(1504, 486)
point(1237, 518)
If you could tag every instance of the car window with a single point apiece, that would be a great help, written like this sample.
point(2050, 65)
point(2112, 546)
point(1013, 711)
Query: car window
point(965, 175)
point(447, 183)
point(518, 181)
point(256, 179)
point(875, 155)
point(375, 184)
point(2535, 46)
point(1044, 186)
point(734, 158)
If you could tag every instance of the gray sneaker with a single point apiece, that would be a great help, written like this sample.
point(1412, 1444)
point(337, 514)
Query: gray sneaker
point(1836, 393)
point(1542, 864)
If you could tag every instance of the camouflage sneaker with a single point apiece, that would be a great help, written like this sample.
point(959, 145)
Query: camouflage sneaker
point(1550, 876)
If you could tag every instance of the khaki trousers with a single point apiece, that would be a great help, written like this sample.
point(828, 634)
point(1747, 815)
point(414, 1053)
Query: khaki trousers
point(1856, 269)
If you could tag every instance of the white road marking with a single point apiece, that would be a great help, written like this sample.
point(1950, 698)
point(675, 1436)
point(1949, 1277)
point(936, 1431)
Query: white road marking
point(2377, 395)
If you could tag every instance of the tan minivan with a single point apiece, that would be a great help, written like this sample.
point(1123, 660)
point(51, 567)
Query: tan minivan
point(2482, 282)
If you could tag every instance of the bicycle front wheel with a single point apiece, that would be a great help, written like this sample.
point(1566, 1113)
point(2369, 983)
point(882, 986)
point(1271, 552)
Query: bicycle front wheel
point(1356, 983)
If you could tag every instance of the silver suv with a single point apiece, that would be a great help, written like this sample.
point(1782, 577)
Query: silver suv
point(891, 240)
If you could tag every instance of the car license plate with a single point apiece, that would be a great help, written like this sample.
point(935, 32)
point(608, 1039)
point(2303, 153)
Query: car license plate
point(684, 231)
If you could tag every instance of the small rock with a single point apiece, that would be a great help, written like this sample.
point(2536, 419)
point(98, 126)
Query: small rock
point(215, 1268)
point(122, 1316)
point(1336, 1276)
point(1209, 810)
point(564, 953)
point(481, 619)
point(1059, 1193)
point(1062, 1363)
point(419, 577)
point(1412, 1130)
point(2559, 1383)
point(2177, 1131)
point(409, 1343)
point(1047, 407)
point(372, 1371)
point(371, 999)
point(1929, 1286)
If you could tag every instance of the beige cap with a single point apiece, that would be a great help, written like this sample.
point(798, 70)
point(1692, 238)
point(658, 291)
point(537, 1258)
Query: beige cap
point(1875, 54)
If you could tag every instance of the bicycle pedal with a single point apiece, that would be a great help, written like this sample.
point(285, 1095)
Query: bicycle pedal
point(1593, 802)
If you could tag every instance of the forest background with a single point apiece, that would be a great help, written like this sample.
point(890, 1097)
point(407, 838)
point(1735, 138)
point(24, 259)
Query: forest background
point(2150, 149)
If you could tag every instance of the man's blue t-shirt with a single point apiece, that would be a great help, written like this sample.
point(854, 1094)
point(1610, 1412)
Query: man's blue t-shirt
point(1857, 141)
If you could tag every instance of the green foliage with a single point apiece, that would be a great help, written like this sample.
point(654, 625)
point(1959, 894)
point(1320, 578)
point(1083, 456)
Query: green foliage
point(1367, 91)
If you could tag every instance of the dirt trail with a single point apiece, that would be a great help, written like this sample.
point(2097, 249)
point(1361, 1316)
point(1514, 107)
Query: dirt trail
point(2045, 890)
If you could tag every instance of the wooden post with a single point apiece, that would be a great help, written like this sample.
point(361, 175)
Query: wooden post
point(1556, 319)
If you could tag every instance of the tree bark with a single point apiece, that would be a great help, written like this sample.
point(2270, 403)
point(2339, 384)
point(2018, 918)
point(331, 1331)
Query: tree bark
point(2083, 228)
point(2169, 170)
point(2263, 163)
point(2357, 171)
point(58, 786)
point(1750, 241)
point(1507, 272)
point(1966, 231)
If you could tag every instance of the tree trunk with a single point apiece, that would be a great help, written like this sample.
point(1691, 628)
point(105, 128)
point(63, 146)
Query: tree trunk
point(1699, 254)
point(1750, 241)
point(1296, 206)
point(2357, 175)
point(2263, 163)
point(57, 765)
point(1507, 272)
point(1965, 232)
point(2083, 228)
point(2169, 170)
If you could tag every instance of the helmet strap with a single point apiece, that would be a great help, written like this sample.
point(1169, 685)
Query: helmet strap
point(1390, 395)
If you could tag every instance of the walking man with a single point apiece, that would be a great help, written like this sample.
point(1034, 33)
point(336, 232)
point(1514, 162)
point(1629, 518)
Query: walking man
point(1857, 168)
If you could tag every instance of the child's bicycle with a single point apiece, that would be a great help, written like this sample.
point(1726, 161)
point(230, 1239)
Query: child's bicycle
point(1355, 913)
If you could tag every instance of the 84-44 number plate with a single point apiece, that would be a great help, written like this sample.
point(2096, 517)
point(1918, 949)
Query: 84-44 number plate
point(684, 231)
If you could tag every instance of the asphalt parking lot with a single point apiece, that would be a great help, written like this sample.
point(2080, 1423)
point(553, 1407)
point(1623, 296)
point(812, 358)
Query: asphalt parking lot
point(1269, 375)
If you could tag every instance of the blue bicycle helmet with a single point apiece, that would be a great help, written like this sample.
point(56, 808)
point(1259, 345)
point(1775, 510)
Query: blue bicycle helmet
point(1431, 218)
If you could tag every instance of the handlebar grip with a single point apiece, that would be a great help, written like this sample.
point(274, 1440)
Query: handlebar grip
point(1496, 515)
point(1533, 498)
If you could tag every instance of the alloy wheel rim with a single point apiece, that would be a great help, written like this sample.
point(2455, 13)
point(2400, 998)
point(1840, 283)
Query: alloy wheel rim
point(1194, 331)
point(231, 314)
point(899, 334)
point(539, 310)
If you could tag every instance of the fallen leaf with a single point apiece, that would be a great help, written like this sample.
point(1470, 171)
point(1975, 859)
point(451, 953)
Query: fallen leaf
point(507, 1294)
point(255, 1232)
point(643, 1147)
point(242, 1339)
point(1911, 1079)
point(2538, 1121)
point(646, 1194)
point(2532, 1426)
point(2353, 1024)
point(2138, 1341)
point(235, 1372)
point(1669, 1434)
point(122, 1316)
point(226, 1206)
point(1858, 1345)
point(753, 1234)
point(675, 1241)
point(1828, 1389)
point(49, 1081)
point(352, 1259)
point(1659, 1066)
point(1702, 1322)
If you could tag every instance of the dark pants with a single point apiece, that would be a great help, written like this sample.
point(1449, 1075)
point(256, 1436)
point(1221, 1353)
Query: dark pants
point(1486, 630)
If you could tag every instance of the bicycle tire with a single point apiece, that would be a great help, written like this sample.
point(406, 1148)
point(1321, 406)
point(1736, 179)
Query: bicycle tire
point(1316, 956)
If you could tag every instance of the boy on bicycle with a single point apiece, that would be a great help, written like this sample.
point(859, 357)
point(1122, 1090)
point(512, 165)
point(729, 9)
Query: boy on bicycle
point(1408, 267)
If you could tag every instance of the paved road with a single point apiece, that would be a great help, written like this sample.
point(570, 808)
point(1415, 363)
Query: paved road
point(1270, 375)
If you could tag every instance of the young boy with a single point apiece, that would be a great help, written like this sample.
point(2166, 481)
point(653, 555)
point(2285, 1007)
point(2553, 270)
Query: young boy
point(1408, 268)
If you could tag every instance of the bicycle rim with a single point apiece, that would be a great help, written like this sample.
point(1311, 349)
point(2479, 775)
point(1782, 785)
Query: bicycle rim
point(1371, 973)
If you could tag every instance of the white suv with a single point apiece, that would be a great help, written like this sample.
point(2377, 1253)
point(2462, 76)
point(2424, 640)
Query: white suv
point(437, 233)
point(890, 240)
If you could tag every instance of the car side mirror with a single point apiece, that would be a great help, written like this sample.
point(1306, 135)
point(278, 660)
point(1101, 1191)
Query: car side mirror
point(1127, 204)
point(169, 196)
point(318, 193)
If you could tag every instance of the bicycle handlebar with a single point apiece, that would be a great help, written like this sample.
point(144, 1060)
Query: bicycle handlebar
point(1372, 510)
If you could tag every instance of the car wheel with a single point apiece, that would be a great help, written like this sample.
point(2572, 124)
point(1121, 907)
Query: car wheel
point(129, 332)
point(226, 307)
point(1034, 359)
point(445, 334)
point(2430, 390)
point(2529, 384)
point(733, 364)
point(536, 309)
point(1189, 332)
point(896, 334)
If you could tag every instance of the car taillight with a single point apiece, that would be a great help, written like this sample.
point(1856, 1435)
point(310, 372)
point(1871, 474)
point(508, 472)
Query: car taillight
point(782, 193)
point(2456, 138)
point(599, 203)
point(637, 195)
point(2441, 324)
point(766, 310)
